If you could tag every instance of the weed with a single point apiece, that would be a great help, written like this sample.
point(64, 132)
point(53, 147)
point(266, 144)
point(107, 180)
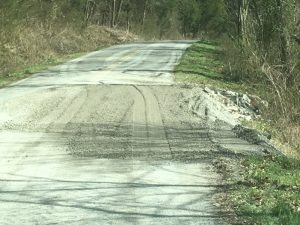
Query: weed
point(268, 191)
point(202, 64)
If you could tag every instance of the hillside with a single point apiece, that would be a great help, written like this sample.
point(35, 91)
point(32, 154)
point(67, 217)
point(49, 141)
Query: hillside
point(33, 33)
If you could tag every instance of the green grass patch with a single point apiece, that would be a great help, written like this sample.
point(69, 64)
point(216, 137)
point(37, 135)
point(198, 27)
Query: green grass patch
point(268, 192)
point(202, 64)
point(200, 59)
point(28, 71)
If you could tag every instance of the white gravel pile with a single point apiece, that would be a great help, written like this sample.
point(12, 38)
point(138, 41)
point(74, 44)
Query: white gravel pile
point(228, 106)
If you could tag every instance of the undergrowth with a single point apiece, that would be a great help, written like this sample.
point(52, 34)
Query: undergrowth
point(30, 47)
point(203, 64)
point(268, 191)
point(36, 34)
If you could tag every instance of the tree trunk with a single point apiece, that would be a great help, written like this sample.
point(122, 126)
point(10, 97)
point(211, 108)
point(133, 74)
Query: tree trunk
point(119, 12)
point(89, 9)
point(113, 14)
point(144, 14)
point(290, 80)
point(243, 16)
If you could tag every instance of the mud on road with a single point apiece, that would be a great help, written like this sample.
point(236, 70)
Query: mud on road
point(76, 148)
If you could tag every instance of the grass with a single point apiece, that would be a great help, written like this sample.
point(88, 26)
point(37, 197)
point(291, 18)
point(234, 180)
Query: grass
point(288, 145)
point(202, 64)
point(268, 191)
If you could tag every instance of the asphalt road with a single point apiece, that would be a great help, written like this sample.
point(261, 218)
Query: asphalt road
point(107, 139)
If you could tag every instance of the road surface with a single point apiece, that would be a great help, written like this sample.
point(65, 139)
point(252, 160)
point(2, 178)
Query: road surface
point(107, 139)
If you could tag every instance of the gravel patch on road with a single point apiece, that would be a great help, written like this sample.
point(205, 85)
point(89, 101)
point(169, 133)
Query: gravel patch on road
point(112, 121)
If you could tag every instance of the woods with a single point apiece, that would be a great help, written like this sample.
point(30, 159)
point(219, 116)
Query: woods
point(150, 18)
point(264, 52)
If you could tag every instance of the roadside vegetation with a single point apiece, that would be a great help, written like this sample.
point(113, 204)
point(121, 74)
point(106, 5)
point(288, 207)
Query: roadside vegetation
point(203, 64)
point(263, 53)
point(267, 192)
point(258, 52)
point(267, 189)
point(38, 34)
point(258, 55)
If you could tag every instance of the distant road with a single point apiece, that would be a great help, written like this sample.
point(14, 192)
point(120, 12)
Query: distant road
point(137, 63)
point(107, 139)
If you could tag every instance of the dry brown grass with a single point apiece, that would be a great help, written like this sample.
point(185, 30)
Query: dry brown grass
point(291, 134)
point(29, 45)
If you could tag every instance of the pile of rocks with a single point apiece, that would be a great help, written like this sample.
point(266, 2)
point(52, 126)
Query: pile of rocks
point(231, 107)
point(228, 106)
point(243, 106)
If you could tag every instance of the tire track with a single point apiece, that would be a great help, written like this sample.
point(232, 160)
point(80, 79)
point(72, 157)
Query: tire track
point(140, 132)
point(148, 117)
point(102, 128)
point(68, 112)
point(186, 138)
point(164, 124)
